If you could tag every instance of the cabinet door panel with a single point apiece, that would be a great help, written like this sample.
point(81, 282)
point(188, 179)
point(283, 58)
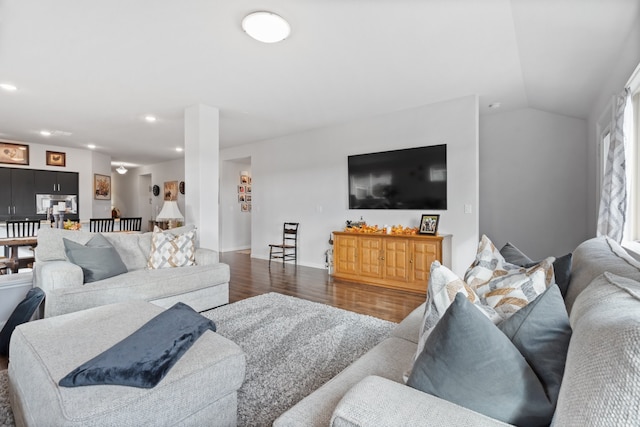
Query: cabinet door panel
point(23, 196)
point(345, 255)
point(68, 182)
point(5, 194)
point(45, 182)
point(396, 258)
point(423, 254)
point(370, 256)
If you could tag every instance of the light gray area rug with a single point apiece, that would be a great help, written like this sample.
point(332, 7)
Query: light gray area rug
point(293, 346)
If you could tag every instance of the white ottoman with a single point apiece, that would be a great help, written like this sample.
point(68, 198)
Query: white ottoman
point(200, 389)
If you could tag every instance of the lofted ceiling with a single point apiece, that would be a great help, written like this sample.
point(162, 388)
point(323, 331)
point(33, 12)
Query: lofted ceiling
point(89, 71)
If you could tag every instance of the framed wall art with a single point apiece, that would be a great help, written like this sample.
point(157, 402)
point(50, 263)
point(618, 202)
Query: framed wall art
point(101, 187)
point(14, 154)
point(55, 158)
point(171, 190)
point(429, 224)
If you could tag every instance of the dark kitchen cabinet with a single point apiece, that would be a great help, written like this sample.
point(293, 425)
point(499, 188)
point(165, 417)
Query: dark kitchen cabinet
point(53, 182)
point(18, 196)
point(19, 187)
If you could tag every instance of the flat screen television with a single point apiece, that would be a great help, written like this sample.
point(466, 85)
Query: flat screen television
point(413, 178)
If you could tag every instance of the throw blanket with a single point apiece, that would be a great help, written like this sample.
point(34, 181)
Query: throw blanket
point(144, 357)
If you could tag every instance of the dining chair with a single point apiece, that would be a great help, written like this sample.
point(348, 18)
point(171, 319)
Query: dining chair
point(101, 225)
point(131, 224)
point(22, 228)
point(288, 249)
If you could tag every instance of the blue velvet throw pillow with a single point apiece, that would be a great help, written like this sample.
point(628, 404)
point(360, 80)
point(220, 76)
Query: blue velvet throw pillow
point(21, 314)
point(146, 356)
point(493, 370)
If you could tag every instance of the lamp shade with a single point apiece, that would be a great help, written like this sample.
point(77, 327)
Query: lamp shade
point(169, 211)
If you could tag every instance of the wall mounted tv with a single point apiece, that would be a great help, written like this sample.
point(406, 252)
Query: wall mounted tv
point(414, 178)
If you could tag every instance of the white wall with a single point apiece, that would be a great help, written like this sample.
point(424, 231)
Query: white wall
point(303, 178)
point(620, 71)
point(533, 181)
point(235, 226)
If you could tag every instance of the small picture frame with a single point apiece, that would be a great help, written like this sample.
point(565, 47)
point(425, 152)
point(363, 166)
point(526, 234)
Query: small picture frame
point(242, 189)
point(244, 179)
point(248, 189)
point(56, 158)
point(241, 198)
point(101, 187)
point(14, 154)
point(429, 224)
point(244, 207)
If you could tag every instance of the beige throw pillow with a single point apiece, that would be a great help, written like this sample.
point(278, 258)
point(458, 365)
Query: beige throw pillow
point(169, 250)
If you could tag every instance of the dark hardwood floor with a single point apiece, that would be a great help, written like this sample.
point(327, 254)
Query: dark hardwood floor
point(251, 277)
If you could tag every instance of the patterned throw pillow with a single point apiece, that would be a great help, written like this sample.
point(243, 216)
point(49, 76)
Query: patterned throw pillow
point(503, 286)
point(169, 250)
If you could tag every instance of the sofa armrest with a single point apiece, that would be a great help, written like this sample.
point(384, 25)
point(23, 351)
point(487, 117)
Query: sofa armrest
point(378, 402)
point(53, 275)
point(206, 256)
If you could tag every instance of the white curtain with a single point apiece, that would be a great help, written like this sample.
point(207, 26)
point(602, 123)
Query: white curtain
point(613, 197)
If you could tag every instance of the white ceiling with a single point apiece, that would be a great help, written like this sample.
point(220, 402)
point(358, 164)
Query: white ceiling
point(95, 68)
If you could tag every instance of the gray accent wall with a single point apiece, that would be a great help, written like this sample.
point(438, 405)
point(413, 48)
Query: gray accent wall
point(533, 181)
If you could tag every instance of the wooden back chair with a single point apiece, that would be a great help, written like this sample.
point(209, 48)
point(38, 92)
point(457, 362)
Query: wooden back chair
point(131, 224)
point(22, 228)
point(101, 225)
point(288, 249)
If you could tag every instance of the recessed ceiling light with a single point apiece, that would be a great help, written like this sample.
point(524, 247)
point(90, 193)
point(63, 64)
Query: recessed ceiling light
point(151, 119)
point(266, 27)
point(8, 87)
point(45, 133)
point(179, 149)
point(91, 146)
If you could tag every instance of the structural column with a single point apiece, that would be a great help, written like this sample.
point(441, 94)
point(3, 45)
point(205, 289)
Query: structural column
point(202, 172)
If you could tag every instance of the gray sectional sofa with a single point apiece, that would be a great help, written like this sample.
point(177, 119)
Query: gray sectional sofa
point(601, 383)
point(202, 286)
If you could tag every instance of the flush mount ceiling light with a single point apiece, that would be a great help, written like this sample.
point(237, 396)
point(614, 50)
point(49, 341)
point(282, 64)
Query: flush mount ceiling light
point(45, 133)
point(121, 169)
point(150, 119)
point(266, 27)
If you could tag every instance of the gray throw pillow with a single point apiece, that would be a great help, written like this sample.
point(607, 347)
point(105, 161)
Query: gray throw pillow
point(561, 266)
point(467, 360)
point(98, 258)
point(541, 332)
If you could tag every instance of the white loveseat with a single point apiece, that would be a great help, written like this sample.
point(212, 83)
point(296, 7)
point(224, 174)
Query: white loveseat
point(202, 286)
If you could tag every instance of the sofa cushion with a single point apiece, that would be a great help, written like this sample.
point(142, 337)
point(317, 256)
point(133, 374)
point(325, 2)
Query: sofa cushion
point(97, 258)
point(561, 265)
point(602, 374)
point(467, 360)
point(169, 250)
point(592, 258)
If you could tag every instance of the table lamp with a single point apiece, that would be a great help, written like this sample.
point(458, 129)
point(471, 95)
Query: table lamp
point(170, 212)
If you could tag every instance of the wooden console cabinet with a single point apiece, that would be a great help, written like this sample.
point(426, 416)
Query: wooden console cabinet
point(388, 260)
